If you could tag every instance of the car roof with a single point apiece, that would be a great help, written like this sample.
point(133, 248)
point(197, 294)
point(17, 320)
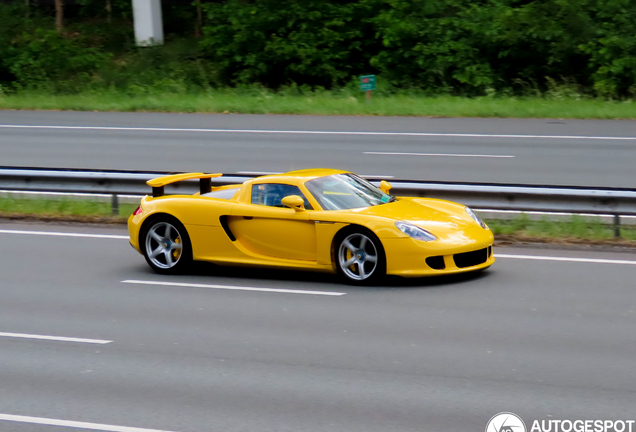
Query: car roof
point(302, 175)
point(293, 177)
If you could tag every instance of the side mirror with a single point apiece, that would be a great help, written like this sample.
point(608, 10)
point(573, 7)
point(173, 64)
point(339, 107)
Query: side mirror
point(295, 202)
point(385, 186)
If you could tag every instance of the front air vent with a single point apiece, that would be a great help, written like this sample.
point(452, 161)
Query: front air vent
point(469, 259)
point(436, 262)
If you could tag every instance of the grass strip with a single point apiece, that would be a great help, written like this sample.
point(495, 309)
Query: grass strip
point(70, 209)
point(576, 229)
point(324, 103)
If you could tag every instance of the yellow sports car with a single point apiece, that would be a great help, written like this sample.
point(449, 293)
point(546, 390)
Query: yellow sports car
point(317, 219)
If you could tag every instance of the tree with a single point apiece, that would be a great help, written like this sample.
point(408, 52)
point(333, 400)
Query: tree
point(59, 15)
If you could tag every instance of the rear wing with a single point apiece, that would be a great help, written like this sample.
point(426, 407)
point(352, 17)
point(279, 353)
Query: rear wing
point(158, 183)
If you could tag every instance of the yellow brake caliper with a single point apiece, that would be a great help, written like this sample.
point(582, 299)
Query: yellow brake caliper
point(349, 256)
point(177, 252)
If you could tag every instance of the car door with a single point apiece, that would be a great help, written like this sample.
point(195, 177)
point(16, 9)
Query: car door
point(267, 227)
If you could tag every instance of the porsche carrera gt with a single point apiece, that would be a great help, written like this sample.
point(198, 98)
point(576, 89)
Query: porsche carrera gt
point(317, 219)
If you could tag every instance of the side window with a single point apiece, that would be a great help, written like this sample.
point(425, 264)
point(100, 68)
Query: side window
point(272, 194)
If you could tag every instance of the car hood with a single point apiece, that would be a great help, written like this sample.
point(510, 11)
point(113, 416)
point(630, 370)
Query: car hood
point(425, 213)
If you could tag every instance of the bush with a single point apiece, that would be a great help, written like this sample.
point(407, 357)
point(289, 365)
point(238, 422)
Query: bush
point(470, 47)
point(12, 19)
point(176, 67)
point(46, 59)
point(474, 47)
point(612, 50)
point(561, 49)
point(312, 42)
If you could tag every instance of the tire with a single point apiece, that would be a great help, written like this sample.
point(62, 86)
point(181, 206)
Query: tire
point(359, 257)
point(166, 245)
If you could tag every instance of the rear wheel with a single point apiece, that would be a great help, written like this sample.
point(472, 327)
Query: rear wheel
point(360, 257)
point(167, 246)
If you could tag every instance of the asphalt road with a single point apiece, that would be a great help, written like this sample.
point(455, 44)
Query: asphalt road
point(544, 339)
point(549, 152)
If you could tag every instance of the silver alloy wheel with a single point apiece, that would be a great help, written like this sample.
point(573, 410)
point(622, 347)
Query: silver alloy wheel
point(357, 256)
point(163, 245)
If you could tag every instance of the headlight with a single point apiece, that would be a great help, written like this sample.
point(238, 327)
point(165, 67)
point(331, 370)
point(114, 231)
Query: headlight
point(415, 232)
point(475, 217)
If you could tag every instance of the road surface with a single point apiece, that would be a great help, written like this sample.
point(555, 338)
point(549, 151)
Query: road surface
point(548, 152)
point(546, 334)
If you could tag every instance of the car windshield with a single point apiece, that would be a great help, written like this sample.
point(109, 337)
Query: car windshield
point(345, 191)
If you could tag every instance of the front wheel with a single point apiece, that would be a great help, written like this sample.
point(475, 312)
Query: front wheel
point(360, 258)
point(167, 246)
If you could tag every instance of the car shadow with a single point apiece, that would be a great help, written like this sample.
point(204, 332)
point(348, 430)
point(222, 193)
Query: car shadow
point(256, 273)
point(389, 282)
point(393, 282)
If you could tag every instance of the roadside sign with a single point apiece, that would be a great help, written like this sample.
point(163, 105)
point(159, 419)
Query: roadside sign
point(367, 82)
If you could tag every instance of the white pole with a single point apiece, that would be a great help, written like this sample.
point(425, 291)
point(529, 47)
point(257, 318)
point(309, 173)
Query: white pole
point(148, 22)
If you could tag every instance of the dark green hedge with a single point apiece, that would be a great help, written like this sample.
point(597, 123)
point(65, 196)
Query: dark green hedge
point(458, 46)
point(469, 47)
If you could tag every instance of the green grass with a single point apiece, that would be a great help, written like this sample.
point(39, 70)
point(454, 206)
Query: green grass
point(62, 208)
point(575, 228)
point(255, 101)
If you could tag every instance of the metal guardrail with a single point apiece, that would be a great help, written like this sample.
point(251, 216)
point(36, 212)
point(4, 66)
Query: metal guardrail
point(566, 199)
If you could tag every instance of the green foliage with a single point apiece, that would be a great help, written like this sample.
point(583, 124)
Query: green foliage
point(480, 47)
point(34, 56)
point(313, 42)
point(555, 49)
point(44, 59)
point(612, 50)
point(12, 19)
point(92, 54)
point(470, 47)
point(171, 68)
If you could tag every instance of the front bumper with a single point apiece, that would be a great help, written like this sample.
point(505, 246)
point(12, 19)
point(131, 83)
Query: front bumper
point(412, 258)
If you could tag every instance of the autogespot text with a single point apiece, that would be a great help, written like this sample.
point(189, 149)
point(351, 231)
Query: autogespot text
point(583, 426)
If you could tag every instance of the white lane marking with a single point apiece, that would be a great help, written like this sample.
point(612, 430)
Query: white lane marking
point(569, 259)
point(231, 287)
point(64, 234)
point(309, 132)
point(74, 424)
point(437, 154)
point(124, 237)
point(54, 338)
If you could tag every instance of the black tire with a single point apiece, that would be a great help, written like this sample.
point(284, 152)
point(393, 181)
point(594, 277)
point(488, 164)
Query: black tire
point(166, 245)
point(359, 257)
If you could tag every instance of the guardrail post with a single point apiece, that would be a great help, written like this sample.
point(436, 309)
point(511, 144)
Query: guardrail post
point(115, 205)
point(617, 226)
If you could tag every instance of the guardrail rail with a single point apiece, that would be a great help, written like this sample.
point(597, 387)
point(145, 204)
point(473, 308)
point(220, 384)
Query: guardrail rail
point(567, 199)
